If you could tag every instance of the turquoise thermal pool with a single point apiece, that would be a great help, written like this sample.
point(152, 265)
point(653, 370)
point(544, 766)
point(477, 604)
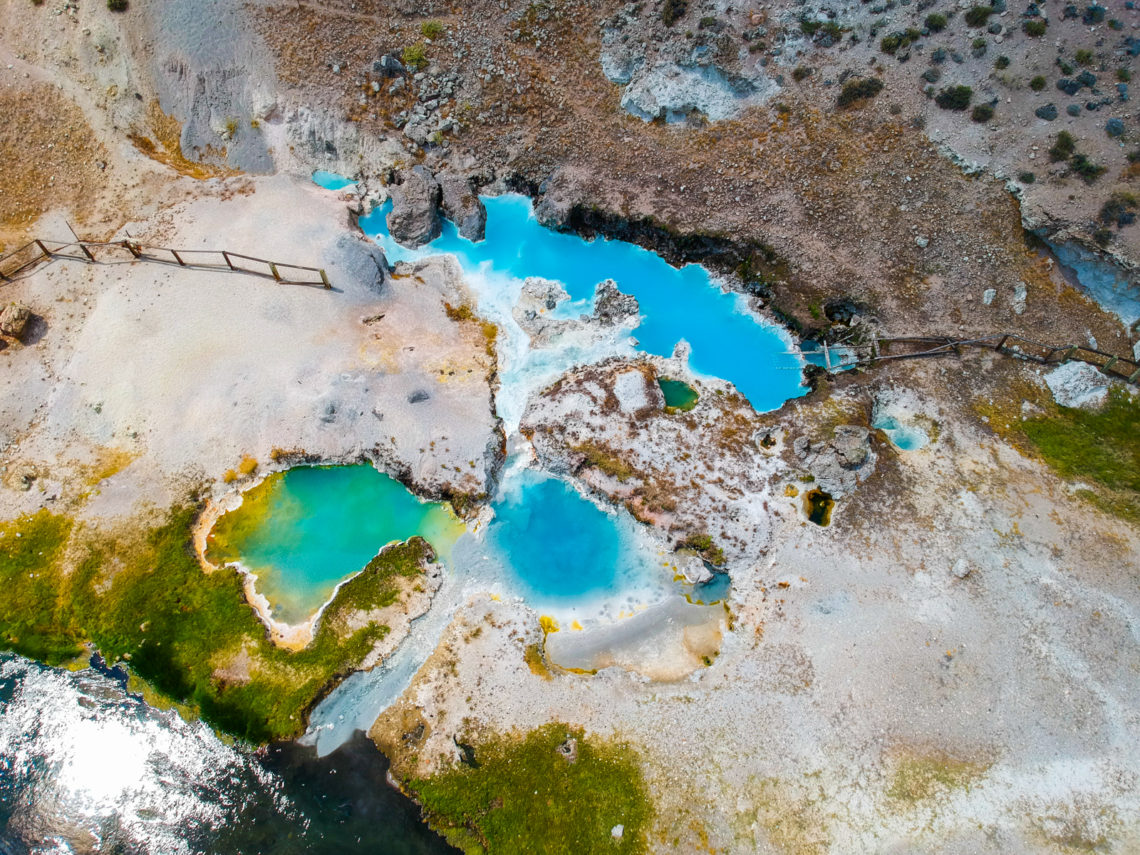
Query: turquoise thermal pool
point(677, 304)
point(904, 437)
point(560, 545)
point(331, 181)
point(303, 531)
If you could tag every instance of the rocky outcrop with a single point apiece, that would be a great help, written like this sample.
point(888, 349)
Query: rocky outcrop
point(414, 218)
point(540, 297)
point(462, 206)
point(841, 463)
point(674, 92)
point(14, 320)
point(611, 306)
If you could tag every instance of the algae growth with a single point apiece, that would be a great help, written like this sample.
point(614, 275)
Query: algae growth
point(144, 600)
point(554, 790)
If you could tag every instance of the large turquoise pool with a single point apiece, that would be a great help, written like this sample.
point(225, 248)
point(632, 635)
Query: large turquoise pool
point(677, 304)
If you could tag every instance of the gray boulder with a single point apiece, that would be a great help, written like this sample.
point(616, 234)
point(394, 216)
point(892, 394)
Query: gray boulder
point(611, 306)
point(388, 65)
point(462, 206)
point(14, 319)
point(842, 463)
point(414, 218)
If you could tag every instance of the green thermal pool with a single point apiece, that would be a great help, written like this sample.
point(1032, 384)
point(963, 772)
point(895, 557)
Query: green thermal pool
point(303, 531)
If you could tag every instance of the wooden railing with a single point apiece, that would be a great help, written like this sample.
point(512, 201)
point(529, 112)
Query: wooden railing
point(36, 251)
point(1011, 344)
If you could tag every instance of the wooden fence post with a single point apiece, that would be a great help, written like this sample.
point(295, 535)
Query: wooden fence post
point(129, 245)
point(226, 256)
point(1069, 354)
point(1134, 376)
point(1001, 343)
point(273, 270)
point(43, 248)
point(325, 279)
point(177, 257)
point(1108, 365)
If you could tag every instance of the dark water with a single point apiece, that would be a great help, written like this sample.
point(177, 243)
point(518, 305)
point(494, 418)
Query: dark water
point(87, 767)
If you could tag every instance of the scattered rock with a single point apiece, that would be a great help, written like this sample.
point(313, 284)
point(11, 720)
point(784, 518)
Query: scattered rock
point(1077, 384)
point(569, 750)
point(14, 319)
point(617, 831)
point(1020, 294)
point(418, 396)
point(988, 296)
point(461, 205)
point(414, 218)
point(961, 569)
point(922, 241)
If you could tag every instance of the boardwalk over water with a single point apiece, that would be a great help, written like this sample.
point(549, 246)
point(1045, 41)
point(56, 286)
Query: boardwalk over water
point(919, 347)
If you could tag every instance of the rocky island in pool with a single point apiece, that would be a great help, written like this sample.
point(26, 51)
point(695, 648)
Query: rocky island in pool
point(499, 428)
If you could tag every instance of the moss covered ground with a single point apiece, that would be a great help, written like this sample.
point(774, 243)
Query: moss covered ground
point(190, 635)
point(1100, 447)
point(521, 794)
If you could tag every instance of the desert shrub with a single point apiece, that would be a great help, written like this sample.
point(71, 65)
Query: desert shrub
point(1001, 63)
point(982, 113)
point(1063, 147)
point(1085, 168)
point(1026, 177)
point(1034, 28)
point(1083, 57)
point(978, 15)
point(1123, 75)
point(935, 22)
point(414, 56)
point(1037, 83)
point(431, 29)
point(858, 90)
point(800, 73)
point(891, 43)
point(954, 98)
point(117, 5)
point(672, 11)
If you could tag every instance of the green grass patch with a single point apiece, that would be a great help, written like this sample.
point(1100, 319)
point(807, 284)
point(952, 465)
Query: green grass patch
point(191, 635)
point(521, 794)
point(1101, 445)
point(34, 620)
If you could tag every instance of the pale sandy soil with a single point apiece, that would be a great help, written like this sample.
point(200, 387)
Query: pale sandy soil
point(867, 699)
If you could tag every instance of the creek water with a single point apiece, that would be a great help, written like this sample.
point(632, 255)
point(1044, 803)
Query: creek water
point(87, 767)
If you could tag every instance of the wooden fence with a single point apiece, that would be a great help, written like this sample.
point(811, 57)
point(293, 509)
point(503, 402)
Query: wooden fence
point(918, 347)
point(31, 254)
